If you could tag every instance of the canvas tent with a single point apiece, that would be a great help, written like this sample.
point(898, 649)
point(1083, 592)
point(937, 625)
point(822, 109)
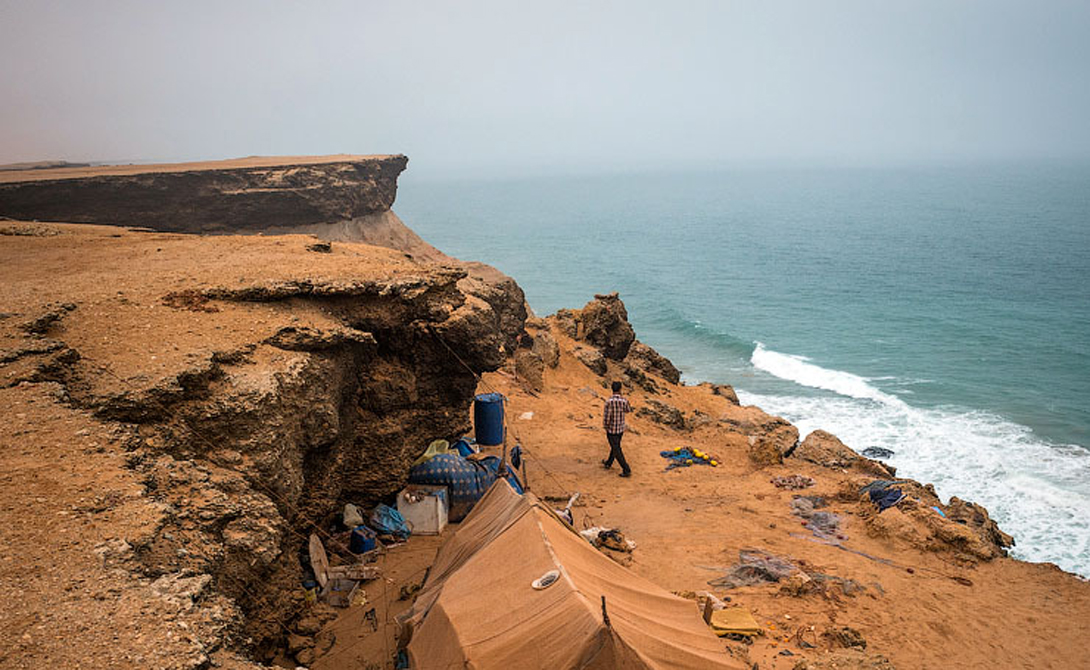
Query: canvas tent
point(479, 608)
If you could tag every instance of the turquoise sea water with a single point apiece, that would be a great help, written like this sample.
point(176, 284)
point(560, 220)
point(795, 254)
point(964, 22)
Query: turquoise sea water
point(940, 313)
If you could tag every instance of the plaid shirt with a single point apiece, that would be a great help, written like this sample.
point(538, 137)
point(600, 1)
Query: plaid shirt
point(613, 416)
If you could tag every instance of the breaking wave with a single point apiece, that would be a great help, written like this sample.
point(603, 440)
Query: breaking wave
point(800, 370)
point(1037, 491)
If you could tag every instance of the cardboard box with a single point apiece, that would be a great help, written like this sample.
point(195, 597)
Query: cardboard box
point(425, 508)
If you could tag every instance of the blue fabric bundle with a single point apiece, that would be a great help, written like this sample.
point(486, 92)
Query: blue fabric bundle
point(467, 480)
point(886, 498)
point(388, 521)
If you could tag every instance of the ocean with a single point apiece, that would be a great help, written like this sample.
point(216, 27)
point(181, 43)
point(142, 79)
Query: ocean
point(941, 313)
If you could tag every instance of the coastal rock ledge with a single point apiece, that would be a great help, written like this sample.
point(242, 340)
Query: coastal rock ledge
point(339, 197)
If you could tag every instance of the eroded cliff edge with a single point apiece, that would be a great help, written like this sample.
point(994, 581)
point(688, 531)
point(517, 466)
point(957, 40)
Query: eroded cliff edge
point(234, 196)
point(232, 391)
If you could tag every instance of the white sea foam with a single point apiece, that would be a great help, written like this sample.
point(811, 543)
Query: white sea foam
point(1038, 492)
point(800, 370)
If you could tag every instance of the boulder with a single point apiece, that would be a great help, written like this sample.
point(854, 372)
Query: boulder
point(546, 347)
point(605, 325)
point(568, 322)
point(826, 450)
point(764, 452)
point(725, 391)
point(530, 368)
point(770, 437)
point(643, 357)
point(592, 358)
point(660, 412)
point(968, 528)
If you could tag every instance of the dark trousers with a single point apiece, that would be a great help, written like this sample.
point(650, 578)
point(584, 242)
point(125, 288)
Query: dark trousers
point(615, 451)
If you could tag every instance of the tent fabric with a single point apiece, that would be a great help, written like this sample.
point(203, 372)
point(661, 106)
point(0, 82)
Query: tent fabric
point(478, 608)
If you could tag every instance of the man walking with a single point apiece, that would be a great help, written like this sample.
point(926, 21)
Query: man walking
point(613, 421)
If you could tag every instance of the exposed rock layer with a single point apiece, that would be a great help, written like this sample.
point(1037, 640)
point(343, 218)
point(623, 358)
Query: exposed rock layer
point(232, 197)
point(251, 403)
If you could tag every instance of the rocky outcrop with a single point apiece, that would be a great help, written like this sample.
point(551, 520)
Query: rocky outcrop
point(826, 450)
point(660, 412)
point(771, 438)
point(646, 359)
point(592, 358)
point(546, 347)
point(604, 324)
point(244, 196)
point(723, 390)
point(530, 368)
point(251, 409)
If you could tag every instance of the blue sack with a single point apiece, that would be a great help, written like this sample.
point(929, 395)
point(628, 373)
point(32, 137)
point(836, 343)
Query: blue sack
point(467, 480)
point(388, 521)
point(886, 498)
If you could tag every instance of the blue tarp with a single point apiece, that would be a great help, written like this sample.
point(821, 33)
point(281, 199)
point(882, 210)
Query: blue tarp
point(467, 480)
point(388, 521)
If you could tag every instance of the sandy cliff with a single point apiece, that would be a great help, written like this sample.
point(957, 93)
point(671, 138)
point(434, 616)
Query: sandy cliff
point(237, 387)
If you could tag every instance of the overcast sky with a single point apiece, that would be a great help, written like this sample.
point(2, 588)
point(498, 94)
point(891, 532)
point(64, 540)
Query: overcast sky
point(523, 86)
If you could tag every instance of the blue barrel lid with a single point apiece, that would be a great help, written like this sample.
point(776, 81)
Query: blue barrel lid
point(490, 397)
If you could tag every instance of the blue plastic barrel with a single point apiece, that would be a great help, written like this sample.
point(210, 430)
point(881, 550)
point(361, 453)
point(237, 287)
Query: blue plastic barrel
point(488, 418)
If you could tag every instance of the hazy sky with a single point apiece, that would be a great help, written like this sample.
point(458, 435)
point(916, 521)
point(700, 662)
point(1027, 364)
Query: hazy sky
point(506, 85)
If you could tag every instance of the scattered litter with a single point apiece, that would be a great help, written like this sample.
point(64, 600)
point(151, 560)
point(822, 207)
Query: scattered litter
point(608, 538)
point(941, 513)
point(362, 539)
point(793, 482)
point(821, 524)
point(359, 598)
point(359, 573)
point(755, 567)
point(388, 521)
point(886, 498)
point(526, 416)
point(339, 584)
point(880, 484)
point(408, 591)
point(565, 513)
point(683, 457)
point(732, 621)
point(352, 516)
point(546, 580)
point(436, 448)
point(310, 591)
